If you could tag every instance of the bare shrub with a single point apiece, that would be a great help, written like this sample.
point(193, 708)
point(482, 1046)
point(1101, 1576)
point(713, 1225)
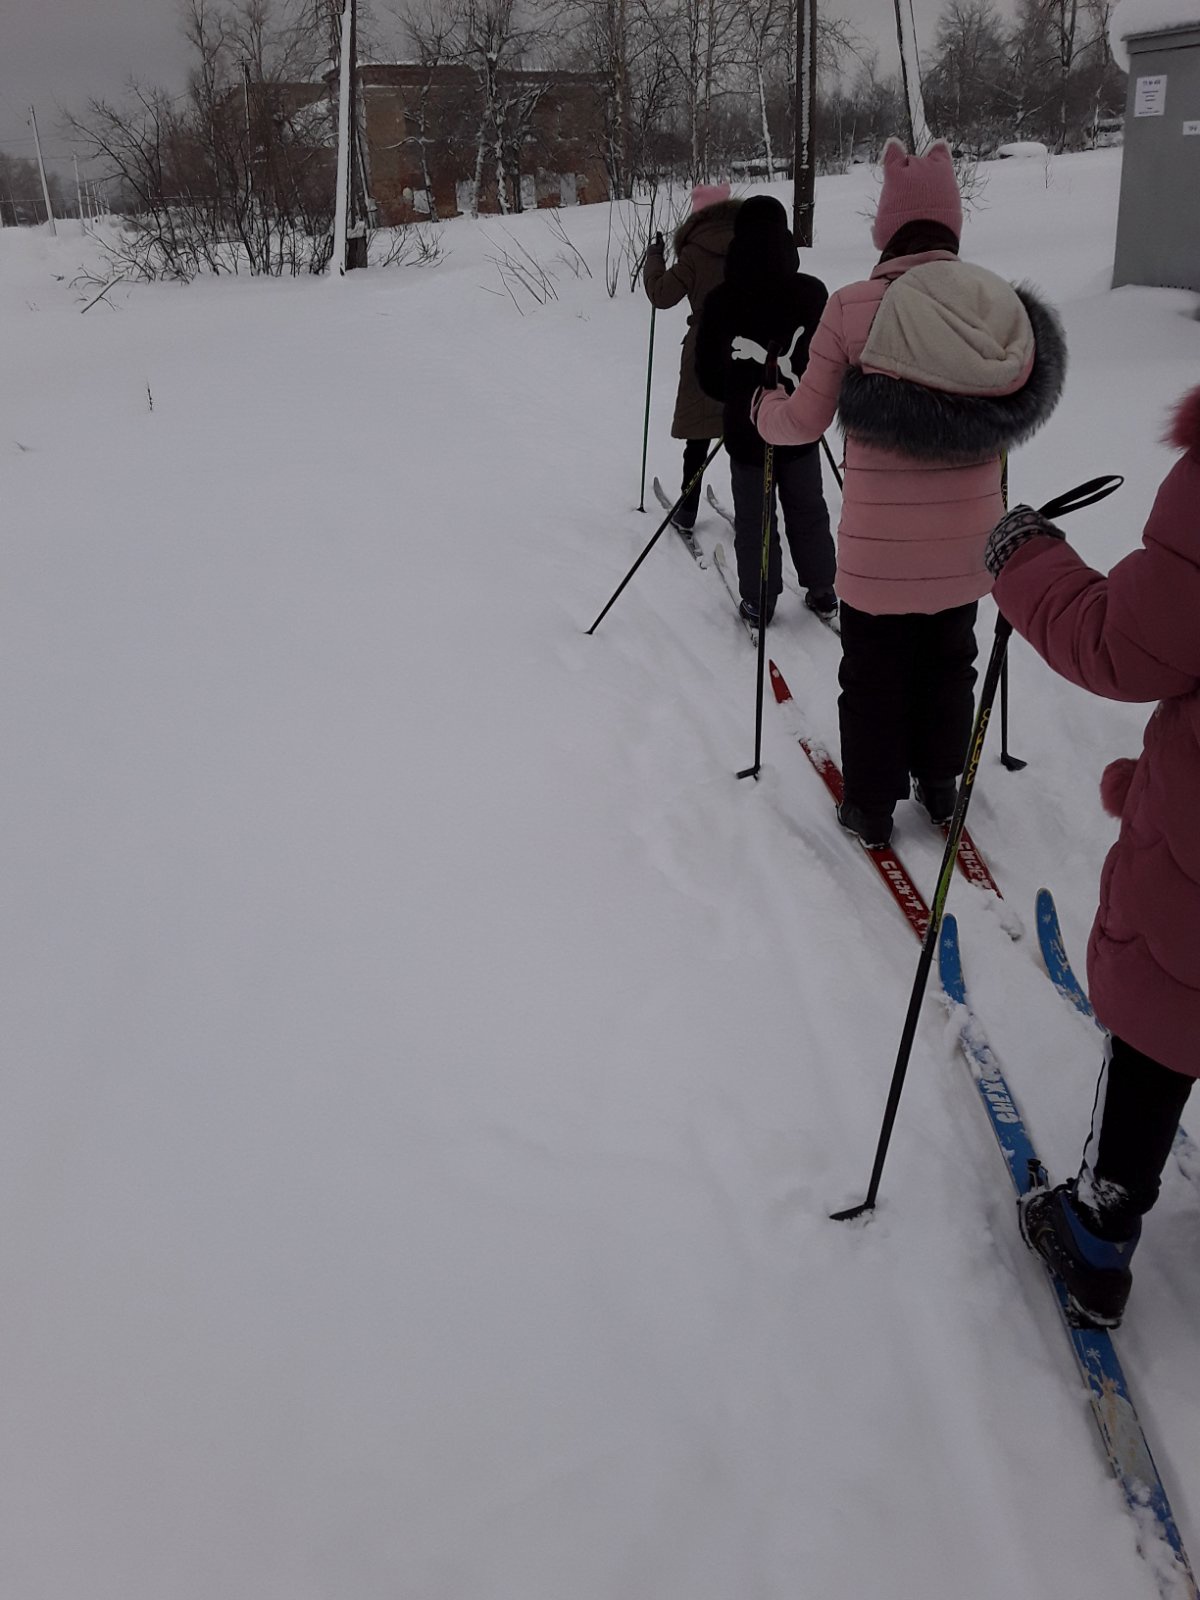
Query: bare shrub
point(415, 244)
point(235, 175)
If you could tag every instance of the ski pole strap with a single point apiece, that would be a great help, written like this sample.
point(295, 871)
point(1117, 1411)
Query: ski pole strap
point(1086, 494)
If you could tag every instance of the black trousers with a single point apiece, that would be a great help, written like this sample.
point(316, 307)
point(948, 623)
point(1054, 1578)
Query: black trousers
point(694, 452)
point(907, 701)
point(1139, 1104)
point(801, 496)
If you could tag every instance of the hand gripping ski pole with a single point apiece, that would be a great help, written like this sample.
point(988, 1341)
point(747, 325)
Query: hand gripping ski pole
point(1085, 495)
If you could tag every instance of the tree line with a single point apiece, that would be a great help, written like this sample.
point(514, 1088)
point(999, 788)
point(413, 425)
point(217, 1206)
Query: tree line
point(235, 170)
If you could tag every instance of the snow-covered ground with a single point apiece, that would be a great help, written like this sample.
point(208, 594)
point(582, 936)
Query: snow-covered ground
point(427, 1070)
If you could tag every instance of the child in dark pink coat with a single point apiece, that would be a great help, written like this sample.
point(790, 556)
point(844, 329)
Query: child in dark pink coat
point(1134, 635)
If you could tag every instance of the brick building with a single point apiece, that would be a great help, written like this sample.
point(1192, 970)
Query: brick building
point(422, 127)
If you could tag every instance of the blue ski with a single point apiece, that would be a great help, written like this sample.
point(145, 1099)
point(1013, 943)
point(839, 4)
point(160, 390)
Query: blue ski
point(1062, 976)
point(1054, 954)
point(1112, 1405)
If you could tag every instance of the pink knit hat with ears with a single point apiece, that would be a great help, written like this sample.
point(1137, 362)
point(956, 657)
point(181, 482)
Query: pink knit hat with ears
point(917, 189)
point(709, 194)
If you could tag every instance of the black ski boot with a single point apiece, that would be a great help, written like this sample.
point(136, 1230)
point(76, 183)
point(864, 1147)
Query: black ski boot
point(749, 611)
point(872, 828)
point(823, 601)
point(1062, 1230)
point(938, 796)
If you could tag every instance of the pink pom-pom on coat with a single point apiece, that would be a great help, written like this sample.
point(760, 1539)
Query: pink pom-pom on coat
point(1114, 785)
point(1185, 426)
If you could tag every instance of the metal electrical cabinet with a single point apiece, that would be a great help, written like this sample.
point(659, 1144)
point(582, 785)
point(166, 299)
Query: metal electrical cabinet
point(1158, 229)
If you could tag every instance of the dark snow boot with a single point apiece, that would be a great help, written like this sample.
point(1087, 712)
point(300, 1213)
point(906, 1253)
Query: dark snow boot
point(823, 601)
point(873, 828)
point(1095, 1270)
point(750, 611)
point(938, 796)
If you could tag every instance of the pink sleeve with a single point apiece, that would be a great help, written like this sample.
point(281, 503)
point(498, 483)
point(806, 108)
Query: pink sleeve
point(801, 418)
point(1105, 634)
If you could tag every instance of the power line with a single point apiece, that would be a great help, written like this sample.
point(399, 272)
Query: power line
point(11, 144)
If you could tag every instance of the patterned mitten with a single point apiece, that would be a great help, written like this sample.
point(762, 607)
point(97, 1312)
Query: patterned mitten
point(1012, 531)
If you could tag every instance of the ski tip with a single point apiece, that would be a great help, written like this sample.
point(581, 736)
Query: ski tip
point(1045, 910)
point(950, 961)
point(779, 684)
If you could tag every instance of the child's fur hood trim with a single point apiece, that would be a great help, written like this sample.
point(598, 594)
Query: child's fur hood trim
point(933, 425)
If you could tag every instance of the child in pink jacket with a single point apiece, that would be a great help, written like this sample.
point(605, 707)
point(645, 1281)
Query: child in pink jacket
point(1134, 635)
point(934, 368)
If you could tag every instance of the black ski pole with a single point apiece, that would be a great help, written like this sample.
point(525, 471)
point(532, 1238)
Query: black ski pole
point(1085, 495)
point(770, 379)
point(829, 457)
point(646, 428)
point(1007, 759)
point(663, 525)
point(764, 571)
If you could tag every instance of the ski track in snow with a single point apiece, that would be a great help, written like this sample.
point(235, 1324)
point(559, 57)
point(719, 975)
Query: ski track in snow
point(428, 1069)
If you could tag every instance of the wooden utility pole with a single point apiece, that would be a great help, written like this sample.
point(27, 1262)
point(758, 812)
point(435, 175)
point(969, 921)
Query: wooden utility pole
point(910, 78)
point(351, 213)
point(341, 203)
point(249, 138)
point(37, 144)
point(804, 158)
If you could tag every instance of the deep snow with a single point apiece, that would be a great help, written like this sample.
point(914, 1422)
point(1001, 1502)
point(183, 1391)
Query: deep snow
point(427, 1069)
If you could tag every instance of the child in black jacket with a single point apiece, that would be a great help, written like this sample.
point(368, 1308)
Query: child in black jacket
point(764, 300)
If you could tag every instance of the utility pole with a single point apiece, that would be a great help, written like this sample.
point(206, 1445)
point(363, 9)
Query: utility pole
point(804, 163)
point(249, 147)
point(341, 204)
point(360, 204)
point(42, 169)
point(351, 209)
point(910, 78)
point(78, 191)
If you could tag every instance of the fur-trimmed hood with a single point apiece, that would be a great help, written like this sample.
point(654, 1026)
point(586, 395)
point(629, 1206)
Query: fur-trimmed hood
point(896, 414)
point(710, 229)
point(1185, 425)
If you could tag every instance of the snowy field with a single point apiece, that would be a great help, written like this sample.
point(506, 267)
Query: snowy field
point(427, 1070)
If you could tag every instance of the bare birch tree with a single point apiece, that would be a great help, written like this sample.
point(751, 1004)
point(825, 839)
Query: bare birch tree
point(698, 38)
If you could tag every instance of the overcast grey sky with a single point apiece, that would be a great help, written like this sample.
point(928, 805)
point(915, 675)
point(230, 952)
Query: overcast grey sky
point(58, 53)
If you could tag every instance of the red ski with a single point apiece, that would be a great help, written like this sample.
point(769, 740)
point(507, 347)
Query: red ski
point(972, 865)
point(969, 860)
point(886, 862)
